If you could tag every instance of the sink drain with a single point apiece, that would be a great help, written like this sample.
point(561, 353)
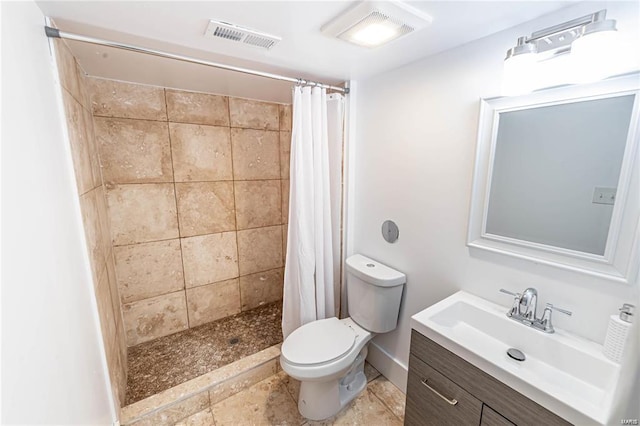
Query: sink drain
point(516, 354)
point(233, 340)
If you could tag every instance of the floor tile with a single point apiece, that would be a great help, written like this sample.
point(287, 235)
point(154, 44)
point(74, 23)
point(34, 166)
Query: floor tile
point(266, 403)
point(389, 394)
point(370, 372)
point(293, 386)
point(366, 409)
point(202, 418)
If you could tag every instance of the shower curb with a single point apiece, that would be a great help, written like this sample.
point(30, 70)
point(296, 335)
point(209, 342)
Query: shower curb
point(179, 402)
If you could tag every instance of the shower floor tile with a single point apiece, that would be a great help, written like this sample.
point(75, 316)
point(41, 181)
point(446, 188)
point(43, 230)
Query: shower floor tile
point(168, 361)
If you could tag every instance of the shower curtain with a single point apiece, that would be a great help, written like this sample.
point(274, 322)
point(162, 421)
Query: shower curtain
point(312, 258)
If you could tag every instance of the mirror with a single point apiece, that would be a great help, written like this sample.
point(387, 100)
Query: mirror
point(556, 178)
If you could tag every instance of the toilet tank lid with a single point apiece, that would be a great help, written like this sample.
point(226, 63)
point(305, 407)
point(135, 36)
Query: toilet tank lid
point(374, 272)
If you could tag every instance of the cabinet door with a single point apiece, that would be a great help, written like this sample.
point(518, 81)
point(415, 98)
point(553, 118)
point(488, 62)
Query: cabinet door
point(432, 399)
point(491, 418)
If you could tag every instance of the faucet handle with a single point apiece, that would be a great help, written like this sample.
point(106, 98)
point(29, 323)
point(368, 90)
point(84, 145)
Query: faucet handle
point(545, 323)
point(516, 301)
point(564, 311)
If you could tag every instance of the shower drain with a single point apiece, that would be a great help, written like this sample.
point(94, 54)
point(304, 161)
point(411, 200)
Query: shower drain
point(233, 340)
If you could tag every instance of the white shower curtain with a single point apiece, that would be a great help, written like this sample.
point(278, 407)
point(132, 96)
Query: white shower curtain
point(310, 265)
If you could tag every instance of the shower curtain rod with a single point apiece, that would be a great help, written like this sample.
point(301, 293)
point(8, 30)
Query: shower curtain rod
point(55, 33)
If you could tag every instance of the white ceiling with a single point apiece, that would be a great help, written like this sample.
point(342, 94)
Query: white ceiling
point(178, 27)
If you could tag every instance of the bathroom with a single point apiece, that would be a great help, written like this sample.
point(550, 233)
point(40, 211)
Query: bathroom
point(409, 153)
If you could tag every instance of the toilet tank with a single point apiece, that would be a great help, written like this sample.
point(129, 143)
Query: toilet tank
point(374, 292)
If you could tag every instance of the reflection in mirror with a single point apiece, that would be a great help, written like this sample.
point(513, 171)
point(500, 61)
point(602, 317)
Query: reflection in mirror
point(555, 173)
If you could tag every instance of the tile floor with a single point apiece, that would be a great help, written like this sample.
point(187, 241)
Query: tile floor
point(273, 402)
point(170, 360)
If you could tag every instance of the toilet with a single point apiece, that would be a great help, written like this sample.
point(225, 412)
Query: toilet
point(327, 355)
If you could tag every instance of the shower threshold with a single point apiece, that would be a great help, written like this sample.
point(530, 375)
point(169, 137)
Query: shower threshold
point(166, 362)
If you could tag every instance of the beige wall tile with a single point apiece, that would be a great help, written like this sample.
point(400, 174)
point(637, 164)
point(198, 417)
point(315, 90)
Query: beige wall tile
point(285, 201)
point(197, 108)
point(122, 342)
point(134, 151)
point(213, 301)
point(104, 221)
point(209, 258)
point(80, 149)
point(285, 154)
point(250, 114)
point(155, 317)
point(261, 288)
point(113, 290)
point(148, 269)
point(94, 155)
point(242, 381)
point(110, 98)
point(285, 233)
point(259, 249)
point(93, 232)
point(142, 212)
point(258, 203)
point(200, 153)
point(205, 208)
point(105, 311)
point(256, 154)
point(83, 89)
point(118, 376)
point(286, 112)
point(67, 69)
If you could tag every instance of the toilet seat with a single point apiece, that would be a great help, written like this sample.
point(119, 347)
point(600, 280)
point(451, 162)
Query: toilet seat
point(319, 342)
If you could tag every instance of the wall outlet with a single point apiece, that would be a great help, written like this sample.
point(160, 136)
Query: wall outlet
point(604, 195)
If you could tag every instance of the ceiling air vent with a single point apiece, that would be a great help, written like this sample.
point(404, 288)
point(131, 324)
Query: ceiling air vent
point(231, 32)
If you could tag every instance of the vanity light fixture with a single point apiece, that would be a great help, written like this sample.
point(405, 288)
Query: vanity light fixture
point(374, 23)
point(586, 44)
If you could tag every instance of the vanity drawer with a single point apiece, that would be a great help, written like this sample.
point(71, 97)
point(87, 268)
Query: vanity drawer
point(432, 399)
point(491, 418)
point(511, 404)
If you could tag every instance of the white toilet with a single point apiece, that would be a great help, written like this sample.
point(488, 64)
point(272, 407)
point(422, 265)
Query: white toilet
point(328, 355)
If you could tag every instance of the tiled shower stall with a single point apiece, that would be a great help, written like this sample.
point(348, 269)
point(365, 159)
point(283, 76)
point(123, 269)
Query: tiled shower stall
point(195, 193)
point(184, 197)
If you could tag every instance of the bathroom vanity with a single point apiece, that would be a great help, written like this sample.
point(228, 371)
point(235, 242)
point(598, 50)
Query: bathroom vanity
point(460, 372)
point(445, 389)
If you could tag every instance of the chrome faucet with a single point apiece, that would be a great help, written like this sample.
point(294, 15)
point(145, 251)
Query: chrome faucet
point(529, 303)
point(525, 307)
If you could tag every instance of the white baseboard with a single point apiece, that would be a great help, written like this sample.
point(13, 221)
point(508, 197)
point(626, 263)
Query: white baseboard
point(390, 367)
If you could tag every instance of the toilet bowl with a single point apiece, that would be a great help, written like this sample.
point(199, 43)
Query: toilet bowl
point(328, 355)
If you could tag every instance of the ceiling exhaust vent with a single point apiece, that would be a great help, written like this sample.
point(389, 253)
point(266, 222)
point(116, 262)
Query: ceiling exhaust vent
point(231, 32)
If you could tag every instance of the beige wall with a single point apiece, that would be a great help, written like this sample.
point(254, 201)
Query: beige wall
point(197, 189)
point(94, 213)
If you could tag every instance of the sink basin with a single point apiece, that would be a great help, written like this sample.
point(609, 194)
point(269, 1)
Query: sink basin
point(562, 372)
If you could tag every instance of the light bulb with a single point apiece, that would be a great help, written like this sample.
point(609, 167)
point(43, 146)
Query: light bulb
point(375, 34)
point(519, 75)
point(596, 55)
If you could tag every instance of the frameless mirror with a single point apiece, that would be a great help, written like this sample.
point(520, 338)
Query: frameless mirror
point(556, 177)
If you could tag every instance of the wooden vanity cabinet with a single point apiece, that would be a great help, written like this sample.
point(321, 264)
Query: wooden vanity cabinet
point(444, 389)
